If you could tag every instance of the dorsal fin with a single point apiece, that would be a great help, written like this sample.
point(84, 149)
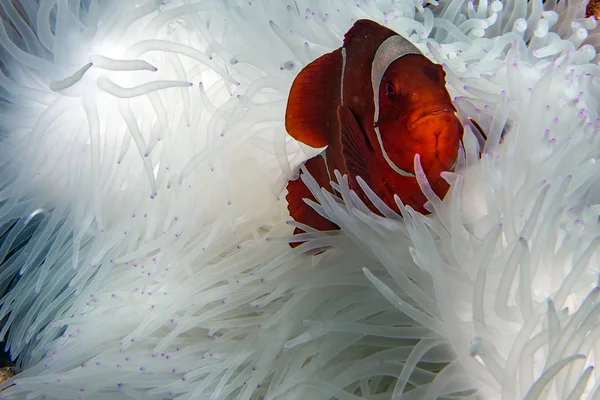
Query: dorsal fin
point(365, 28)
point(311, 112)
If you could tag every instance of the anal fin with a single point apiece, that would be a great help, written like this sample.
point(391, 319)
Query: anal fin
point(297, 191)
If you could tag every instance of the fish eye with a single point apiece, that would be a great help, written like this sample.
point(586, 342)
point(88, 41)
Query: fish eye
point(390, 90)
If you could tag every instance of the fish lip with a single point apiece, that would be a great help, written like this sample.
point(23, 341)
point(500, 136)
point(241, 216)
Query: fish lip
point(428, 113)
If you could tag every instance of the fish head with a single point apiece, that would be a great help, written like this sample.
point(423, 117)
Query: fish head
point(416, 115)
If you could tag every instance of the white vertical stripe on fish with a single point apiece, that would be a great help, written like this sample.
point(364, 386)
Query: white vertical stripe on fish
point(343, 74)
point(390, 50)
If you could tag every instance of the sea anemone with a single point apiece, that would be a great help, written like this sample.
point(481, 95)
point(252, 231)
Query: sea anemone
point(144, 233)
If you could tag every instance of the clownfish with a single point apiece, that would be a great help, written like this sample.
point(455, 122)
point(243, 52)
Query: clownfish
point(374, 104)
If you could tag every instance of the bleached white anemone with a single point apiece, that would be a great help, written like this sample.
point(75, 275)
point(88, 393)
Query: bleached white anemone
point(143, 161)
point(512, 253)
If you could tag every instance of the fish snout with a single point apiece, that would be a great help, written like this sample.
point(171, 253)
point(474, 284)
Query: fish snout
point(448, 142)
point(442, 130)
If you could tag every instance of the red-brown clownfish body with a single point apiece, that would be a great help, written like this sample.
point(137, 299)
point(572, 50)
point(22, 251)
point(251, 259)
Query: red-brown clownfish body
point(375, 103)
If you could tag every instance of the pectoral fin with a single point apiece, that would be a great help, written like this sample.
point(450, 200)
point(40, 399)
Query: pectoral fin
point(356, 150)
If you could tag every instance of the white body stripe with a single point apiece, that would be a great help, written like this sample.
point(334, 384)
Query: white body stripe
point(343, 73)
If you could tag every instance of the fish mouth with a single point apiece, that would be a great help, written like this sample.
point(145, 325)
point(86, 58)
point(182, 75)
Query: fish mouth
point(422, 114)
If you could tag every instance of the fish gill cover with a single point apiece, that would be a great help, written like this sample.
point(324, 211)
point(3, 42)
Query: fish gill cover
point(145, 237)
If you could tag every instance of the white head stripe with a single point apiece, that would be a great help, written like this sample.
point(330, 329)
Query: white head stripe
point(390, 50)
point(388, 160)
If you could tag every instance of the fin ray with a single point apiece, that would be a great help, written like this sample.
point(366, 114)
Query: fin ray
point(355, 147)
